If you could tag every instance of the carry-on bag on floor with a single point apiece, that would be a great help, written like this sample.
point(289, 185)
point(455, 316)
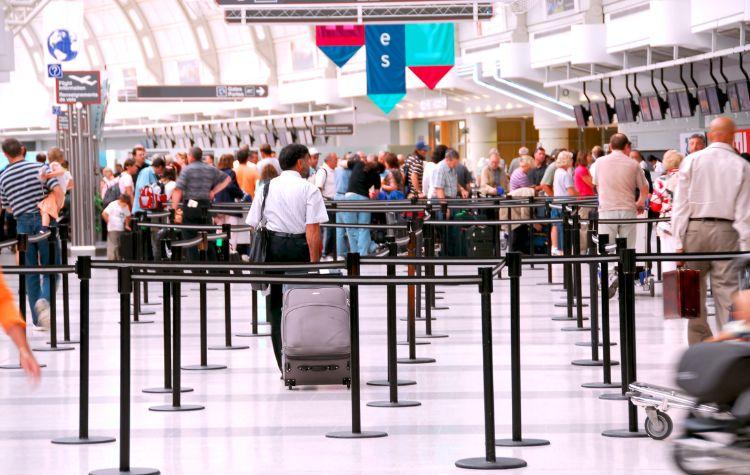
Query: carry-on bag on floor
point(480, 241)
point(316, 338)
point(682, 293)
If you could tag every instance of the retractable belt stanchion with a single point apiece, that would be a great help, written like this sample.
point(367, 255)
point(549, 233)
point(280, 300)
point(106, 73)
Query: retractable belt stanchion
point(21, 245)
point(567, 271)
point(627, 262)
point(658, 263)
point(547, 214)
point(353, 270)
point(606, 344)
point(622, 308)
point(411, 304)
point(65, 285)
point(125, 288)
point(176, 382)
point(227, 229)
point(52, 251)
point(138, 255)
point(203, 366)
point(572, 241)
point(253, 317)
point(513, 261)
point(167, 313)
point(145, 236)
point(392, 382)
point(490, 461)
point(83, 269)
point(429, 289)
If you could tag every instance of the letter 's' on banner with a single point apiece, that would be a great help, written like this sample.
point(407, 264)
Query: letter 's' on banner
point(340, 42)
point(430, 51)
point(386, 65)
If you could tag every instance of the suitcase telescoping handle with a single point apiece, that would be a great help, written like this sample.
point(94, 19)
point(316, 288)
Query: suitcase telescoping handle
point(318, 368)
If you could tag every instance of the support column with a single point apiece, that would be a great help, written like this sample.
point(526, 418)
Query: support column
point(553, 138)
point(406, 132)
point(481, 138)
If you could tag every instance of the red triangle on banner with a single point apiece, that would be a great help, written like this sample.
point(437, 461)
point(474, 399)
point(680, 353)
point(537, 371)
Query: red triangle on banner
point(430, 75)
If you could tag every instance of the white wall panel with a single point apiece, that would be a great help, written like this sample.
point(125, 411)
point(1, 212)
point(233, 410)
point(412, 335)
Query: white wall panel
point(628, 31)
point(550, 49)
point(590, 46)
point(707, 14)
point(670, 25)
point(515, 62)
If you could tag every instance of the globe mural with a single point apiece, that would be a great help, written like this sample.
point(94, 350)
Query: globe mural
point(62, 45)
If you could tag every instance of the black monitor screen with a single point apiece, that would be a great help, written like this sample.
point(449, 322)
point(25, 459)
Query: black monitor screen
point(624, 110)
point(604, 113)
point(686, 104)
point(581, 115)
point(743, 93)
point(595, 113)
point(708, 98)
point(734, 100)
point(645, 109)
point(703, 100)
point(674, 104)
point(656, 110)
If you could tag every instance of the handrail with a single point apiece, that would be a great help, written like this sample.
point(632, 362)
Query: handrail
point(8, 243)
point(39, 237)
point(188, 242)
point(307, 280)
point(39, 270)
point(501, 222)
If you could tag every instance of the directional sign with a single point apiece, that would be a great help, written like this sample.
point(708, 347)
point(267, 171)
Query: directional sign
point(54, 71)
point(79, 86)
point(222, 92)
point(333, 129)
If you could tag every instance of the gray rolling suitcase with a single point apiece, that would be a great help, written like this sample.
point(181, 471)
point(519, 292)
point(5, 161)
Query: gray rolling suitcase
point(316, 337)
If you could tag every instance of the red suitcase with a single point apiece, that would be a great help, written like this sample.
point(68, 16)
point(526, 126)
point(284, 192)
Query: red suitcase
point(682, 297)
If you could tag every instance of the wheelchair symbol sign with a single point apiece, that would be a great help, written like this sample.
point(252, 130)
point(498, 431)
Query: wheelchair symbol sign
point(54, 71)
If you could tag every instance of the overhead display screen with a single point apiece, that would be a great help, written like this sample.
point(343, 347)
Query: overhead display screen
point(643, 101)
point(582, 116)
point(709, 101)
point(657, 113)
point(626, 110)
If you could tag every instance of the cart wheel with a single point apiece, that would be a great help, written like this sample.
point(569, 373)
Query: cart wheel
point(661, 429)
point(651, 286)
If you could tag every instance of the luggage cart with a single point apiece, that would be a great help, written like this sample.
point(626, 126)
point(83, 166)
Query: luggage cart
point(657, 400)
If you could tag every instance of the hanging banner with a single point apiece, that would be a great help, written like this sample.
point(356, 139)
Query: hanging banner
point(430, 51)
point(340, 42)
point(63, 32)
point(386, 65)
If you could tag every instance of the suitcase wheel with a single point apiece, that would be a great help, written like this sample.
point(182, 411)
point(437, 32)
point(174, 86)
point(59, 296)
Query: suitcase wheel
point(290, 383)
point(348, 383)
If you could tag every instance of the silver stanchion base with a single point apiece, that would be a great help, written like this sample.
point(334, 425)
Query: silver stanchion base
point(132, 471)
point(208, 367)
point(146, 312)
point(576, 329)
point(165, 390)
point(500, 463)
point(422, 319)
point(592, 363)
point(566, 319)
point(565, 304)
point(558, 290)
point(79, 441)
point(601, 385)
point(365, 434)
point(415, 360)
point(521, 443)
point(588, 343)
point(432, 335)
point(139, 322)
point(614, 397)
point(405, 343)
point(624, 434)
point(550, 283)
point(66, 342)
point(394, 404)
point(233, 347)
point(18, 366)
point(180, 408)
point(385, 382)
point(50, 349)
point(251, 335)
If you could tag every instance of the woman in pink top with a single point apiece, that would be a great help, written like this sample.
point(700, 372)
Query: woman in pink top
point(582, 178)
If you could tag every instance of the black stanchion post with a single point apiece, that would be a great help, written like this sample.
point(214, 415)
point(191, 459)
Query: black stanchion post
point(573, 243)
point(65, 284)
point(429, 246)
point(490, 460)
point(139, 255)
point(83, 269)
point(52, 252)
point(658, 263)
point(125, 288)
point(622, 297)
point(392, 382)
point(353, 270)
point(567, 270)
point(176, 384)
point(203, 366)
point(411, 305)
point(513, 261)
point(606, 344)
point(628, 264)
point(225, 250)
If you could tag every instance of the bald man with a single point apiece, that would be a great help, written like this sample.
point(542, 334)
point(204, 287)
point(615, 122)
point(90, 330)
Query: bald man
point(711, 213)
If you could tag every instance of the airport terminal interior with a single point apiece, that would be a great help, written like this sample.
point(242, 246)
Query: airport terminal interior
point(374, 237)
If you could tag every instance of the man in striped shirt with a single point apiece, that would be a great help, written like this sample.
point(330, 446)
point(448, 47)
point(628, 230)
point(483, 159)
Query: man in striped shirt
point(21, 191)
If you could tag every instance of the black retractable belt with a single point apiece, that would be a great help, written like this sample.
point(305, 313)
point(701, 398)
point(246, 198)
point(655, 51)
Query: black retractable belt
point(490, 461)
point(353, 270)
point(392, 380)
point(125, 287)
point(83, 269)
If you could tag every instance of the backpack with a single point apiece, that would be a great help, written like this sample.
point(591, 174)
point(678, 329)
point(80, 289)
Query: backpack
point(152, 197)
point(111, 195)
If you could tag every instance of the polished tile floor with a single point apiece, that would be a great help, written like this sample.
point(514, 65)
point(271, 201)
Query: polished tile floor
point(252, 424)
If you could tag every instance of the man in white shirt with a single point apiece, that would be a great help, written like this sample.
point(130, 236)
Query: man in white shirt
point(711, 213)
point(293, 211)
point(325, 181)
point(267, 158)
point(313, 162)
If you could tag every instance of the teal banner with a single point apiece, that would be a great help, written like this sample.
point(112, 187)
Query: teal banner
point(430, 44)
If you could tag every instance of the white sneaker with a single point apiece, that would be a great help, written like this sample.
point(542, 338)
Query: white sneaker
point(36, 328)
point(42, 311)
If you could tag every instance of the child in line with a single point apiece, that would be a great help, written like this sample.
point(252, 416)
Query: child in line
point(50, 206)
point(117, 217)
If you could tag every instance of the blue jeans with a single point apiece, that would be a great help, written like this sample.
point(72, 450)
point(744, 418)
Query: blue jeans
point(359, 238)
point(37, 286)
point(557, 214)
point(342, 247)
